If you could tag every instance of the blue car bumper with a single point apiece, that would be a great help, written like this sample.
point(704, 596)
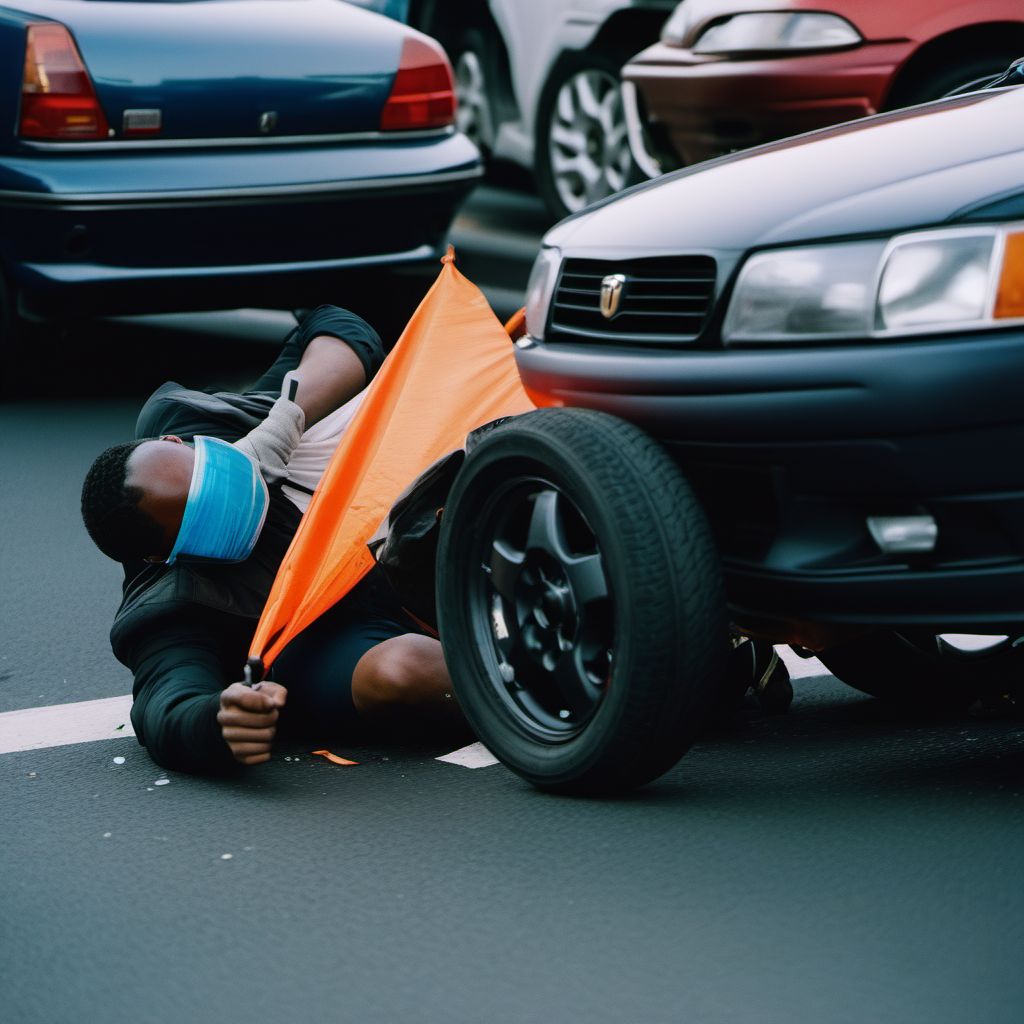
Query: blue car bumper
point(116, 229)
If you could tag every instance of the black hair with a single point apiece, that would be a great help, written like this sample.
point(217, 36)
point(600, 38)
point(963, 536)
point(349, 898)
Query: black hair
point(110, 509)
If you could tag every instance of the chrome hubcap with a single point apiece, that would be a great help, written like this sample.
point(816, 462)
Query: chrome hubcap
point(589, 145)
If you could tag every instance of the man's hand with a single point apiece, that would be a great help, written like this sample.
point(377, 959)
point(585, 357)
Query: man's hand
point(248, 719)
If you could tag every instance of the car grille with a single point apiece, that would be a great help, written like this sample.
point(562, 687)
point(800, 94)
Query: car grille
point(665, 300)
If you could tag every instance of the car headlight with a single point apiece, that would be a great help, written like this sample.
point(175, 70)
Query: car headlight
point(753, 33)
point(916, 283)
point(540, 289)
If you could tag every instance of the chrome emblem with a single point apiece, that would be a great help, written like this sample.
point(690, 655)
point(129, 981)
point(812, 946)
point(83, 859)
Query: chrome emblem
point(268, 121)
point(612, 288)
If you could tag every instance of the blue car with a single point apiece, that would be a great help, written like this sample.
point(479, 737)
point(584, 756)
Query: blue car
point(172, 156)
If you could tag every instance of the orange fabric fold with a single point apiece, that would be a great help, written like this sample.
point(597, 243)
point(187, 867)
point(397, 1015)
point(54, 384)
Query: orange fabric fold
point(451, 371)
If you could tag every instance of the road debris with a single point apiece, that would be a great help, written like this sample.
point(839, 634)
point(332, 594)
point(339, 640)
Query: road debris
point(119, 760)
point(333, 758)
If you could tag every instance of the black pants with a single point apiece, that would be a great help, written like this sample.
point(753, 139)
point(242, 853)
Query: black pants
point(317, 666)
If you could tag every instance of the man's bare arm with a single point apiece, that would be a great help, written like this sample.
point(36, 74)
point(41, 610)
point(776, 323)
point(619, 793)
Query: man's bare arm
point(329, 375)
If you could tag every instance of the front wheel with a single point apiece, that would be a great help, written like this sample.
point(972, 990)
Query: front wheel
point(579, 602)
point(582, 141)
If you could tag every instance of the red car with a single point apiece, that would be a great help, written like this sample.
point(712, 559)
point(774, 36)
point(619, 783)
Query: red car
point(729, 74)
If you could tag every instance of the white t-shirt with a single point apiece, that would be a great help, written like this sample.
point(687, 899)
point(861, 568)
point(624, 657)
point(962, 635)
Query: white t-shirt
point(314, 451)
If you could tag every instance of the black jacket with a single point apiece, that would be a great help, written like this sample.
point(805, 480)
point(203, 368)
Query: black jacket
point(184, 630)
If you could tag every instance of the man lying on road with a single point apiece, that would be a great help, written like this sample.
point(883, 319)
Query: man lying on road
point(184, 625)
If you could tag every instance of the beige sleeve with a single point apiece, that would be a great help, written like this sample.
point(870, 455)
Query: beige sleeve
point(272, 442)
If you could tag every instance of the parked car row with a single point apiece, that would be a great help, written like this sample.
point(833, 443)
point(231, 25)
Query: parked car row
point(179, 156)
point(539, 81)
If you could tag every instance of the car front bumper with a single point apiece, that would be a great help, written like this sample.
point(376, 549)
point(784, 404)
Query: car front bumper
point(708, 106)
point(164, 229)
point(792, 450)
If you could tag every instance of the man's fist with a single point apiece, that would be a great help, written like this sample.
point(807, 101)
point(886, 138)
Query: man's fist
point(248, 719)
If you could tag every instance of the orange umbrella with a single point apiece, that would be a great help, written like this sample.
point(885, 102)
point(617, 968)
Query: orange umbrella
point(451, 371)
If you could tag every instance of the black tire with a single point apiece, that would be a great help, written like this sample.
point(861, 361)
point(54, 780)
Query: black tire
point(923, 671)
point(606, 150)
point(629, 618)
point(952, 78)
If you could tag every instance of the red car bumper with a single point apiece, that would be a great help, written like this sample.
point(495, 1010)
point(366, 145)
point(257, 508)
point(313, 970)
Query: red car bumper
point(707, 106)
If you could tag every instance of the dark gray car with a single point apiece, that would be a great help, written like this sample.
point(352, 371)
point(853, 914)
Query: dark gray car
point(811, 352)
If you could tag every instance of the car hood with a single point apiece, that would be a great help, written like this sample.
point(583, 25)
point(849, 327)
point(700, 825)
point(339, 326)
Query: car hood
point(214, 68)
point(926, 165)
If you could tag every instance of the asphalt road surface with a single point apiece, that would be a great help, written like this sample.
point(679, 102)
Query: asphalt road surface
point(836, 864)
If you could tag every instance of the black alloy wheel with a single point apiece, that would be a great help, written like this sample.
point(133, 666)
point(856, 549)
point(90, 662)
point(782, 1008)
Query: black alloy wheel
point(579, 602)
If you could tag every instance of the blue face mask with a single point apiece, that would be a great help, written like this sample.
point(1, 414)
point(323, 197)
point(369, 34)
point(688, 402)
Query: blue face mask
point(226, 507)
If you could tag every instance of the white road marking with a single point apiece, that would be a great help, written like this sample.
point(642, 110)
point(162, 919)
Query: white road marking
point(63, 724)
point(476, 755)
point(92, 720)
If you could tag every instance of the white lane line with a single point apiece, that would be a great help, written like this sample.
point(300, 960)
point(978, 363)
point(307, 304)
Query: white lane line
point(476, 755)
point(91, 720)
point(63, 724)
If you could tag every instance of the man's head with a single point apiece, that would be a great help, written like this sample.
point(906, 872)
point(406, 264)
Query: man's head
point(134, 497)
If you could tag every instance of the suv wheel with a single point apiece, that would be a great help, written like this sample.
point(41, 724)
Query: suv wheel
point(583, 152)
point(579, 602)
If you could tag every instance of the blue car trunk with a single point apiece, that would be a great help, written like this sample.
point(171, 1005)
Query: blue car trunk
point(193, 62)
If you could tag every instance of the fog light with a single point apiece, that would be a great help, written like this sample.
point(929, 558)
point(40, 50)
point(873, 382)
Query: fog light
point(897, 535)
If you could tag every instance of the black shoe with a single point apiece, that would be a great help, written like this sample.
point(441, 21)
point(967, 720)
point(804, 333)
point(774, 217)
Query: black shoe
point(755, 667)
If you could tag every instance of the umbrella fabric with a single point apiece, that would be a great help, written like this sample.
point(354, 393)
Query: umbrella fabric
point(451, 371)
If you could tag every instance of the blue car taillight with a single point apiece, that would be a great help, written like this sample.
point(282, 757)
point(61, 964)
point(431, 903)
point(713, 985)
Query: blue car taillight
point(58, 100)
point(423, 93)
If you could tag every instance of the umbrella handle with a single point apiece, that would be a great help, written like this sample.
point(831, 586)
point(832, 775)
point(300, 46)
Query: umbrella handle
point(253, 671)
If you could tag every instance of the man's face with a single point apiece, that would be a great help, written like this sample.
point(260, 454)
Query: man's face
point(162, 470)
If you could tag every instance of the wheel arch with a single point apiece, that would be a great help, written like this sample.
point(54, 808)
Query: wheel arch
point(623, 34)
point(963, 43)
point(628, 31)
